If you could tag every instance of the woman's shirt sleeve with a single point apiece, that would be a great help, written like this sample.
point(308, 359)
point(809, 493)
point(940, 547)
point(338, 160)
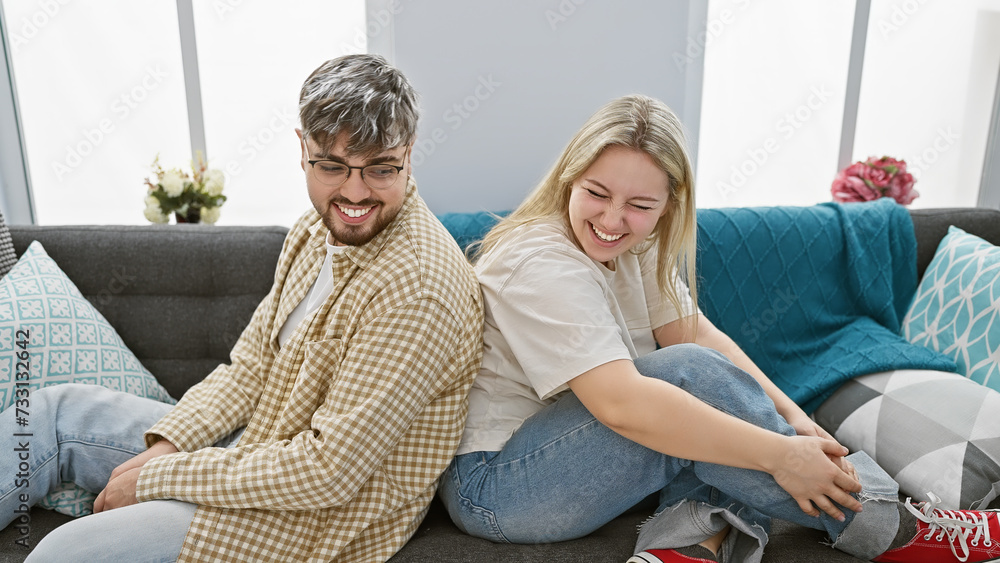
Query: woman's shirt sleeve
point(551, 307)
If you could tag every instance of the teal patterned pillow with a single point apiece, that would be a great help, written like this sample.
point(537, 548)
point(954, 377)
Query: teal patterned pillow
point(69, 341)
point(956, 309)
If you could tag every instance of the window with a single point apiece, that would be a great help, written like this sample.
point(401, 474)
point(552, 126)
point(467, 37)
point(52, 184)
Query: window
point(250, 95)
point(99, 96)
point(101, 92)
point(773, 101)
point(774, 94)
point(927, 93)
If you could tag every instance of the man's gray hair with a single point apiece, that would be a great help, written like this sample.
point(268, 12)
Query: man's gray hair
point(362, 96)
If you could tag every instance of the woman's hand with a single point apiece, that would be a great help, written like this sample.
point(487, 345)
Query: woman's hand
point(805, 426)
point(812, 471)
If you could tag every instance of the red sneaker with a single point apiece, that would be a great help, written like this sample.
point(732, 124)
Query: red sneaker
point(665, 556)
point(971, 536)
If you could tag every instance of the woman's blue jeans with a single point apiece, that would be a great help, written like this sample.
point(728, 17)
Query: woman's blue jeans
point(563, 474)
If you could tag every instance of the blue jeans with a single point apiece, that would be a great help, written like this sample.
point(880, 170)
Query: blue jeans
point(80, 433)
point(563, 474)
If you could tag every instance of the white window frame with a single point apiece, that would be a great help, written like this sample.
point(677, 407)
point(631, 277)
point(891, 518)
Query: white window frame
point(989, 186)
point(15, 182)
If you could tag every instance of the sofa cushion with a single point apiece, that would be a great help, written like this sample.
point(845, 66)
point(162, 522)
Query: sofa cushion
point(956, 308)
point(43, 313)
point(931, 431)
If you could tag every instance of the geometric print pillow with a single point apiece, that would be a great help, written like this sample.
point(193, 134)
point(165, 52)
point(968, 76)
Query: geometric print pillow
point(68, 341)
point(956, 308)
point(932, 431)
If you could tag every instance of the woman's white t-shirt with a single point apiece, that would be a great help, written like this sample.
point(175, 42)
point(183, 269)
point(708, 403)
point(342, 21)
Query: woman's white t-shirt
point(553, 313)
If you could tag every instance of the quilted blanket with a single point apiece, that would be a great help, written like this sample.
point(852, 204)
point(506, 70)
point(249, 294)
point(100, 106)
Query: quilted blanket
point(814, 295)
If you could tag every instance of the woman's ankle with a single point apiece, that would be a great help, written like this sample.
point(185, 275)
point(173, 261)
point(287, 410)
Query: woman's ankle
point(699, 552)
point(714, 543)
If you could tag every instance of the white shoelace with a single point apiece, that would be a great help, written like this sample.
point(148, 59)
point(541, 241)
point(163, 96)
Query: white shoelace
point(955, 524)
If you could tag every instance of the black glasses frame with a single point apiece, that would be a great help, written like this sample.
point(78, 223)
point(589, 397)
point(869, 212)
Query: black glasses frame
point(399, 170)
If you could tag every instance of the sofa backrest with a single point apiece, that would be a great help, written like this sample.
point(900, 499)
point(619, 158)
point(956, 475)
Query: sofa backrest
point(179, 296)
point(931, 225)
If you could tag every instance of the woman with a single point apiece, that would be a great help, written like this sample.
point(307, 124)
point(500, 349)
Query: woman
point(576, 416)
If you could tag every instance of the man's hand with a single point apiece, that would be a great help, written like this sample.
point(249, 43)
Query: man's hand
point(120, 490)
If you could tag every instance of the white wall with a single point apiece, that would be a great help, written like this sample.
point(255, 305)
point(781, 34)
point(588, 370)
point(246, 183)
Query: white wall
point(504, 85)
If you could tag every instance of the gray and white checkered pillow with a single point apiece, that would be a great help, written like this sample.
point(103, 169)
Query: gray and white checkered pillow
point(931, 431)
point(7, 256)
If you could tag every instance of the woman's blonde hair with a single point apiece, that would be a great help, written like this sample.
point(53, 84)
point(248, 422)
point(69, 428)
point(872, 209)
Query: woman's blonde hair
point(635, 122)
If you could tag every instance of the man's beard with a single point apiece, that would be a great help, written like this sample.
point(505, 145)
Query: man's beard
point(356, 235)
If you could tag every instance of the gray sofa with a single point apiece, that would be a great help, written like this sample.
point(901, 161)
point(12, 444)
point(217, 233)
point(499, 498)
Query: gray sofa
point(179, 296)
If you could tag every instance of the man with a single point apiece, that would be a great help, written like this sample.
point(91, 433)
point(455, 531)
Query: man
point(350, 379)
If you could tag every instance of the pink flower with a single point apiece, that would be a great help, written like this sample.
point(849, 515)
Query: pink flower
point(901, 188)
point(851, 188)
point(855, 169)
point(891, 164)
point(876, 177)
point(872, 179)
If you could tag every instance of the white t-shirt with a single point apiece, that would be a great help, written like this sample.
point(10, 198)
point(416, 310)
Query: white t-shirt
point(317, 295)
point(553, 313)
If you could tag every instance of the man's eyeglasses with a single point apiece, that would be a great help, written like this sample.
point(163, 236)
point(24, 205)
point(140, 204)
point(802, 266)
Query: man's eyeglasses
point(377, 176)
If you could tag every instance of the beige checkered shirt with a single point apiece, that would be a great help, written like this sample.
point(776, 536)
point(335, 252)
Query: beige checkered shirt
point(350, 424)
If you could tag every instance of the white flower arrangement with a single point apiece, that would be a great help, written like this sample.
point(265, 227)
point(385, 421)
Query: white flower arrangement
point(192, 199)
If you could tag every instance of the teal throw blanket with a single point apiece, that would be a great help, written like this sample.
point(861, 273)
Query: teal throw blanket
point(814, 295)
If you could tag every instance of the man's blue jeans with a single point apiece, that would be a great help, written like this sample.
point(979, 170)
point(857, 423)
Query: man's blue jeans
point(80, 433)
point(563, 474)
